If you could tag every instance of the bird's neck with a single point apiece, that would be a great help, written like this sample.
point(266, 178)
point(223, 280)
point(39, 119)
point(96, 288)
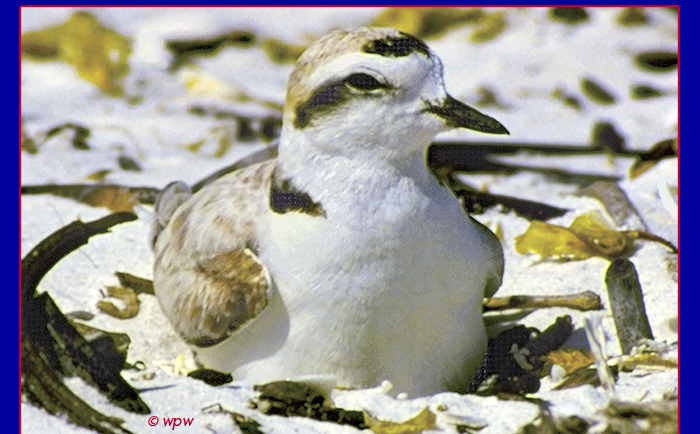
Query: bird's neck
point(350, 167)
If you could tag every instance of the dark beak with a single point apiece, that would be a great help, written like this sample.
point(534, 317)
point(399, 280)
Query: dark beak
point(460, 115)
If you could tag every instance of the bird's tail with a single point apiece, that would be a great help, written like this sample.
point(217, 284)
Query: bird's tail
point(167, 202)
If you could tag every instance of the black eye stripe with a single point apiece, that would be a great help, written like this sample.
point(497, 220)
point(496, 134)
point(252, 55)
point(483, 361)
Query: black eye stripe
point(327, 96)
point(333, 95)
point(323, 100)
point(364, 82)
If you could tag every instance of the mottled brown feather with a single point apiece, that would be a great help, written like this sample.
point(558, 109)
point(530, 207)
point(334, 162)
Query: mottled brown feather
point(211, 283)
point(236, 293)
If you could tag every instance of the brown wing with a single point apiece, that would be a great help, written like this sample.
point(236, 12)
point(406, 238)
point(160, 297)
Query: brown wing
point(207, 276)
point(226, 292)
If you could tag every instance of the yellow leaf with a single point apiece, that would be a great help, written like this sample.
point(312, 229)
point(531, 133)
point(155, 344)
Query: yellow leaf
point(127, 296)
point(551, 240)
point(570, 359)
point(196, 146)
point(99, 54)
point(201, 84)
point(492, 26)
point(207, 85)
point(606, 242)
point(587, 236)
point(99, 175)
point(424, 420)
point(280, 52)
point(428, 22)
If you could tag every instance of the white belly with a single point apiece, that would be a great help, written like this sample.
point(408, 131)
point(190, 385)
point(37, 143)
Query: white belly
point(392, 293)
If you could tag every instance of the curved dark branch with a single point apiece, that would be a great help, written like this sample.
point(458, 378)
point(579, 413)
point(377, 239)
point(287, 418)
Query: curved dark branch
point(52, 348)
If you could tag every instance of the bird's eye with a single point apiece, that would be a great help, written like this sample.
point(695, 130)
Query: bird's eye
point(364, 82)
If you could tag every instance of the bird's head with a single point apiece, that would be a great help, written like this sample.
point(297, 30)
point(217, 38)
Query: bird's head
point(374, 86)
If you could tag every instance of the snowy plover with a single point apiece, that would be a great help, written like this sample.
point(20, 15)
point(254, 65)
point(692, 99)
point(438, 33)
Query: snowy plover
point(343, 256)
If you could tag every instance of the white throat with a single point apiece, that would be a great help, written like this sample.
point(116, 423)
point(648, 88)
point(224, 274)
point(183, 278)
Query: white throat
point(356, 169)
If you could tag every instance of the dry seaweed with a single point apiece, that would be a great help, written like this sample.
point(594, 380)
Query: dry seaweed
point(657, 61)
point(211, 377)
point(426, 23)
point(80, 135)
point(98, 175)
point(646, 361)
point(660, 417)
point(477, 157)
point(632, 17)
point(641, 91)
point(586, 237)
point(52, 348)
point(245, 424)
point(97, 195)
point(488, 98)
point(488, 29)
point(571, 359)
point(596, 92)
point(187, 49)
point(477, 202)
point(28, 143)
point(568, 15)
point(99, 54)
point(138, 284)
point(129, 164)
point(627, 304)
point(443, 159)
point(663, 149)
point(514, 358)
point(282, 53)
point(606, 138)
point(288, 398)
point(128, 298)
point(424, 420)
point(567, 98)
point(43, 386)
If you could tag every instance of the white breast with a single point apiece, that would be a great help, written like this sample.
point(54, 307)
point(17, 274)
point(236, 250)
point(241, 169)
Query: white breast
point(385, 287)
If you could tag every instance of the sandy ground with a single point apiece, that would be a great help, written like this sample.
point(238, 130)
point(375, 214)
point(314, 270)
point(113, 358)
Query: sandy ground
point(523, 66)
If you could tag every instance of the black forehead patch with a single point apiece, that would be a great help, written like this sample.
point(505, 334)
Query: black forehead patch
point(397, 47)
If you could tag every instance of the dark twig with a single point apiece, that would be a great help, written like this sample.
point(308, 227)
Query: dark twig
point(642, 235)
point(582, 301)
point(81, 192)
point(443, 158)
point(138, 284)
point(59, 244)
point(476, 201)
